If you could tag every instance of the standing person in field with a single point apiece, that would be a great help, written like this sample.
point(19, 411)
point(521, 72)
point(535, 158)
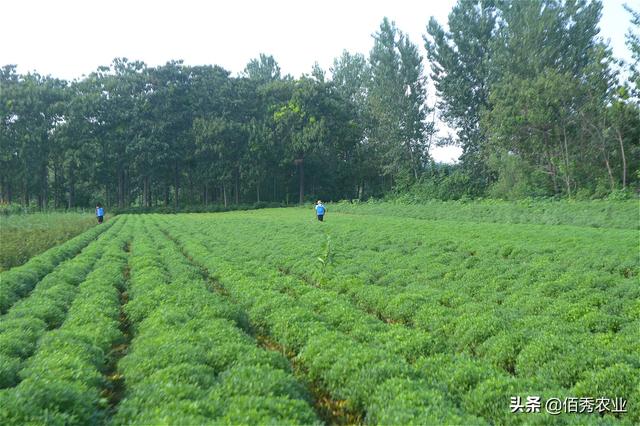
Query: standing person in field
point(99, 212)
point(320, 210)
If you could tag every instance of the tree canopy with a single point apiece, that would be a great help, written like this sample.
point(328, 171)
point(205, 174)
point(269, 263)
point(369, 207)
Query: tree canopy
point(538, 102)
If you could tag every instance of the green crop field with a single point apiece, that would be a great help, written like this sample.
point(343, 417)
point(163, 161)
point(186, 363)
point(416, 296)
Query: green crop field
point(23, 236)
point(379, 315)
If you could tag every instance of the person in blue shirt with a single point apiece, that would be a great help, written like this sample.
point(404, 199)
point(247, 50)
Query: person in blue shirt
point(320, 210)
point(99, 213)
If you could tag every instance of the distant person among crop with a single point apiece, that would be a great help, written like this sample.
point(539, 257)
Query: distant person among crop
point(99, 212)
point(320, 210)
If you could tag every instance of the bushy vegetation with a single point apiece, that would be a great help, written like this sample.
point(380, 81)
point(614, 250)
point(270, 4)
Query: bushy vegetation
point(404, 319)
point(19, 281)
point(62, 382)
point(621, 214)
point(26, 235)
point(270, 317)
point(190, 361)
point(45, 308)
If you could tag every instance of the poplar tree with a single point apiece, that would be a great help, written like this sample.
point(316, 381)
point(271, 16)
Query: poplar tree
point(396, 105)
point(460, 68)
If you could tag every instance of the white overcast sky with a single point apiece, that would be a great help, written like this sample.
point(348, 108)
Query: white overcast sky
point(69, 38)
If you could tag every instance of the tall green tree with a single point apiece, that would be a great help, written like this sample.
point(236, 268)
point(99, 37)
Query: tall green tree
point(263, 69)
point(413, 106)
point(219, 143)
point(298, 124)
point(9, 161)
point(173, 120)
point(33, 111)
point(541, 57)
point(350, 77)
point(461, 71)
point(633, 42)
point(121, 87)
point(395, 104)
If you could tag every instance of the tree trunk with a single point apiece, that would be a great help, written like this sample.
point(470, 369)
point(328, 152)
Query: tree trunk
point(176, 185)
point(44, 186)
point(56, 188)
point(72, 189)
point(566, 162)
point(25, 199)
point(554, 176)
point(224, 194)
point(237, 186)
point(275, 188)
point(258, 191)
point(166, 194)
point(9, 192)
point(414, 163)
point(624, 160)
point(612, 182)
point(143, 197)
point(301, 181)
point(127, 189)
point(121, 188)
point(39, 199)
point(147, 192)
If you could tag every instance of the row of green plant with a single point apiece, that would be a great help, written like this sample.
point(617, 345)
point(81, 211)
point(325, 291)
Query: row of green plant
point(189, 362)
point(26, 235)
point(388, 320)
point(19, 281)
point(333, 310)
point(624, 214)
point(197, 208)
point(516, 302)
point(366, 378)
point(45, 308)
point(63, 383)
point(317, 331)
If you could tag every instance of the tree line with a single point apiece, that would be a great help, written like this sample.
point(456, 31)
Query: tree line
point(538, 103)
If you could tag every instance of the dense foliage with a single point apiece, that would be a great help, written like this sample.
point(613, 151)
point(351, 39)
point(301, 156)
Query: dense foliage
point(537, 100)
point(536, 97)
point(381, 314)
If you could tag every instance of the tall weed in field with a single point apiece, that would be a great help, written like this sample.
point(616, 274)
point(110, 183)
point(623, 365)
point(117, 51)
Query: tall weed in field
point(24, 236)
